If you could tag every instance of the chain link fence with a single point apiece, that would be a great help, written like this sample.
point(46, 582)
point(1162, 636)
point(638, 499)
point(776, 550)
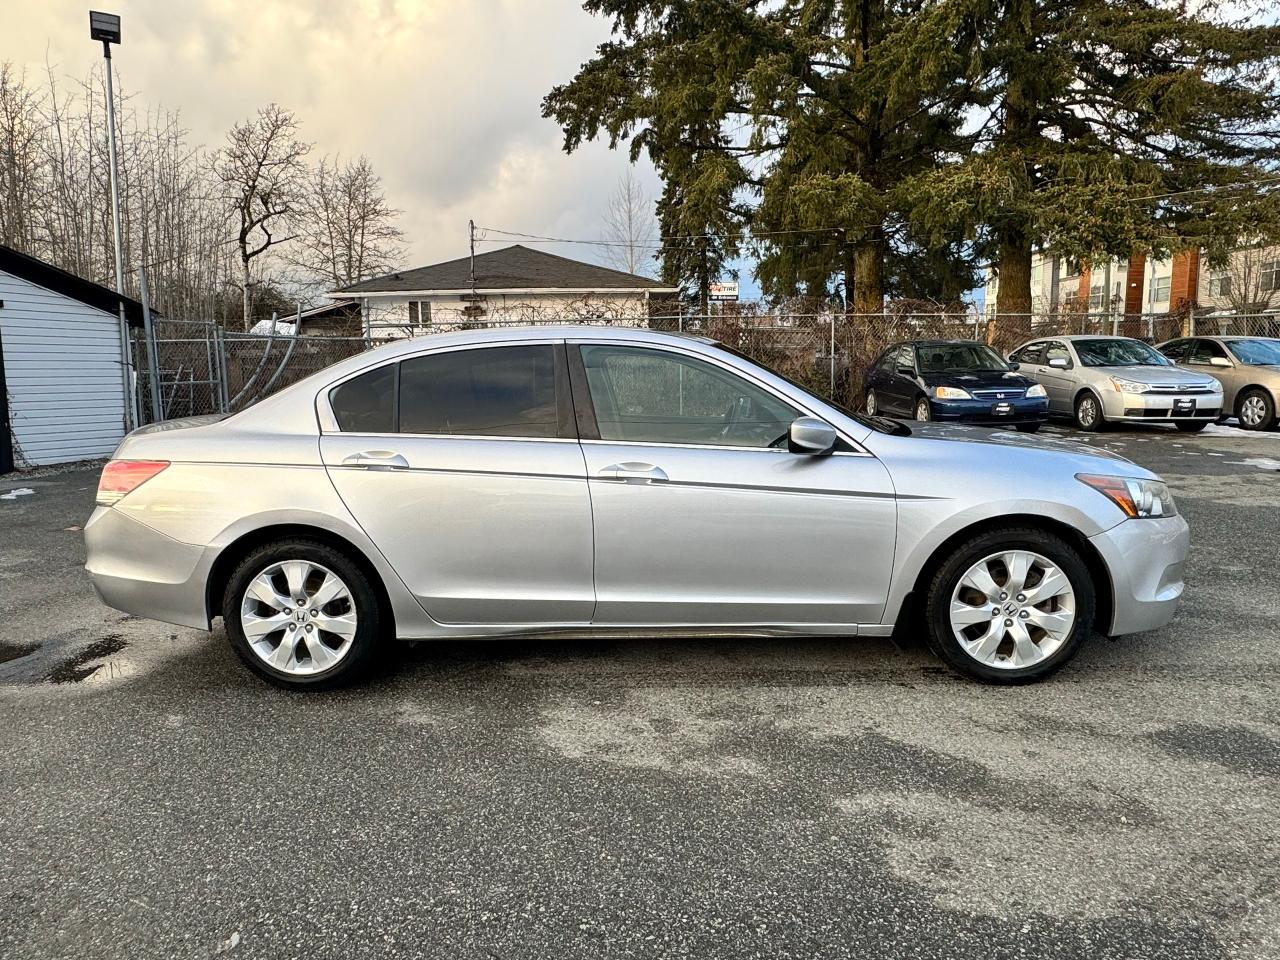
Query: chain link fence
point(202, 368)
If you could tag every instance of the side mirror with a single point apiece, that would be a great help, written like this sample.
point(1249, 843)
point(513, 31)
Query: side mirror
point(1219, 362)
point(1060, 363)
point(1014, 365)
point(811, 436)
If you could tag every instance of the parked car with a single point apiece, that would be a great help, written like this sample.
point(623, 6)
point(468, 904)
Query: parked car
point(953, 380)
point(1097, 380)
point(609, 482)
point(1247, 367)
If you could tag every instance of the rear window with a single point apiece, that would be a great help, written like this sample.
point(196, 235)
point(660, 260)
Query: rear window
point(367, 403)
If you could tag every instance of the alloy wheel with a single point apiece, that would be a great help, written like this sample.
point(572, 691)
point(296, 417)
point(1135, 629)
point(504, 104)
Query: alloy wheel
point(922, 410)
point(299, 617)
point(1012, 609)
point(1087, 411)
point(872, 403)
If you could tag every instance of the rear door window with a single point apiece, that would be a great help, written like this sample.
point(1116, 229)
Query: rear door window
point(367, 403)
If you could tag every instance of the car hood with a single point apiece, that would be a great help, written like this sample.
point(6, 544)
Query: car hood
point(979, 379)
point(1008, 438)
point(1162, 376)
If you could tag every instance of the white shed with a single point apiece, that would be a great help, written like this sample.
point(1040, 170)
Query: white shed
point(62, 370)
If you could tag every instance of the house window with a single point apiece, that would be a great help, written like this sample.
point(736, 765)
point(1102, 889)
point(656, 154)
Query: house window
point(1270, 277)
point(1220, 286)
point(419, 313)
point(1159, 290)
point(1097, 297)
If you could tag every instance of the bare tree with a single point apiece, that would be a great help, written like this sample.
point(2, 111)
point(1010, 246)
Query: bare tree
point(346, 228)
point(630, 227)
point(263, 176)
point(21, 163)
point(1249, 283)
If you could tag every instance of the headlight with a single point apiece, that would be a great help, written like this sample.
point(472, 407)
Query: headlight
point(1129, 386)
point(1137, 498)
point(951, 393)
point(1215, 387)
point(1036, 390)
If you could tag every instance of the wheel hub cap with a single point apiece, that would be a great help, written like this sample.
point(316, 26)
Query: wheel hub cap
point(1012, 609)
point(298, 617)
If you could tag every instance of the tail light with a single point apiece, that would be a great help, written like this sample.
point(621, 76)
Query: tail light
point(121, 477)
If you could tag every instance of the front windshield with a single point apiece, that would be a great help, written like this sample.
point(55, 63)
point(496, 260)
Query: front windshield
point(1119, 353)
point(958, 357)
point(1258, 352)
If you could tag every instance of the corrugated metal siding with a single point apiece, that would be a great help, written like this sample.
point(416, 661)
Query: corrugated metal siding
point(62, 365)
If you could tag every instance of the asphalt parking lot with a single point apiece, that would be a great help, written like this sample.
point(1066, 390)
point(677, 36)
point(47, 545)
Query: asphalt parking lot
point(807, 799)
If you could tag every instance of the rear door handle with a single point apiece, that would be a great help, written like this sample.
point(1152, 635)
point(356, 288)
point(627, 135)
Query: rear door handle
point(632, 472)
point(376, 460)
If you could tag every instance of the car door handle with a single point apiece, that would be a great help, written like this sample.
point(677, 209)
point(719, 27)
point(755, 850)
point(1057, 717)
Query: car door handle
point(376, 460)
point(632, 472)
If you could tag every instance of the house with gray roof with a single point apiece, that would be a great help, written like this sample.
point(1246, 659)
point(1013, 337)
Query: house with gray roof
point(514, 285)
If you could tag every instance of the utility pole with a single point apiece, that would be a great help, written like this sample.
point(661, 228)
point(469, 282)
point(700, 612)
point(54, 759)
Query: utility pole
point(106, 27)
point(471, 226)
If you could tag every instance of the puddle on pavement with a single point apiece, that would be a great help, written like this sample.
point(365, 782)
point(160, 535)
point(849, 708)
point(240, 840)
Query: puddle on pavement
point(85, 663)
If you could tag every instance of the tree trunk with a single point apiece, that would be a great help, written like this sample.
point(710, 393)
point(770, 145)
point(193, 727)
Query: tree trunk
point(868, 274)
point(248, 298)
point(1020, 133)
point(1013, 299)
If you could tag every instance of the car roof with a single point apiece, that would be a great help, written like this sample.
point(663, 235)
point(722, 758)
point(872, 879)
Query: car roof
point(533, 333)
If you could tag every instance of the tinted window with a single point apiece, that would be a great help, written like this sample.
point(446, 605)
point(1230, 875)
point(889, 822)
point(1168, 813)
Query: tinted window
point(1177, 350)
point(653, 396)
point(1031, 353)
point(495, 392)
point(367, 403)
point(1206, 350)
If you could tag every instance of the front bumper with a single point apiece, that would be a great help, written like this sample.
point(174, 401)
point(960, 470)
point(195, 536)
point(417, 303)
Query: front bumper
point(139, 570)
point(1145, 560)
point(1162, 407)
point(991, 412)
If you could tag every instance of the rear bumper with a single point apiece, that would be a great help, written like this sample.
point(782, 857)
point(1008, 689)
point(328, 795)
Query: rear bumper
point(140, 571)
point(1145, 559)
point(983, 412)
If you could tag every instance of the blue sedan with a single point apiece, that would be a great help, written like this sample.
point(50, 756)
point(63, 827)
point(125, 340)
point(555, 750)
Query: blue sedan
point(960, 381)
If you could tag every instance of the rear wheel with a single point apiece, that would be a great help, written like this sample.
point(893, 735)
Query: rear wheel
point(301, 614)
point(1010, 606)
point(873, 403)
point(1191, 426)
point(923, 411)
point(1256, 410)
point(1089, 413)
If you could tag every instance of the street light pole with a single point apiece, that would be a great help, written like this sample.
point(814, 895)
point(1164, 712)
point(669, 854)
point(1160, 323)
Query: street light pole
point(106, 27)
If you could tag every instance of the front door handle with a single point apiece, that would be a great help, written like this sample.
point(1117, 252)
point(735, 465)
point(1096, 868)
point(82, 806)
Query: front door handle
point(632, 472)
point(376, 460)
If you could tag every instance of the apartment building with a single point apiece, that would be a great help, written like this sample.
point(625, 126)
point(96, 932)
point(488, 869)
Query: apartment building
point(1136, 285)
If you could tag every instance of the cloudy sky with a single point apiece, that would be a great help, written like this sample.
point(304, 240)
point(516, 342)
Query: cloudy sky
point(442, 95)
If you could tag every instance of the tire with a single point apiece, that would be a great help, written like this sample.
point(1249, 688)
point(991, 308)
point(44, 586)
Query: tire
point(998, 663)
point(1191, 426)
point(347, 654)
point(1088, 412)
point(1259, 407)
point(923, 412)
point(873, 403)
point(1027, 427)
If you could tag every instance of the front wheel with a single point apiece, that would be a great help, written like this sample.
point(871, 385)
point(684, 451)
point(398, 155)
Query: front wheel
point(302, 615)
point(1089, 413)
point(923, 410)
point(1256, 410)
point(873, 403)
point(1010, 606)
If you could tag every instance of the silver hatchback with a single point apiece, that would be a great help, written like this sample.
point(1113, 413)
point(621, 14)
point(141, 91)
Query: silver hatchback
point(614, 482)
point(1096, 380)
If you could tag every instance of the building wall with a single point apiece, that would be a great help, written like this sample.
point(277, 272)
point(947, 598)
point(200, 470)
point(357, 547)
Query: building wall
point(391, 317)
point(64, 375)
point(1252, 276)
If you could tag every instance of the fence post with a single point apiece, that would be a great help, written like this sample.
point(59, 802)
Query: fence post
point(831, 324)
point(220, 354)
point(153, 361)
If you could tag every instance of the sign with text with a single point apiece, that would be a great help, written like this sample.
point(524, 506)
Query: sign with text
point(724, 290)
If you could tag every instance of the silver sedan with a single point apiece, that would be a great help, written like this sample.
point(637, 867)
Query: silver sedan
point(614, 483)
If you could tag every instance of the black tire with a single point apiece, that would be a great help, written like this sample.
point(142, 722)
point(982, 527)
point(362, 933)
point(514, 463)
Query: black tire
point(1268, 418)
point(1191, 426)
point(368, 610)
point(922, 411)
point(943, 584)
point(873, 403)
point(1088, 413)
point(1027, 427)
